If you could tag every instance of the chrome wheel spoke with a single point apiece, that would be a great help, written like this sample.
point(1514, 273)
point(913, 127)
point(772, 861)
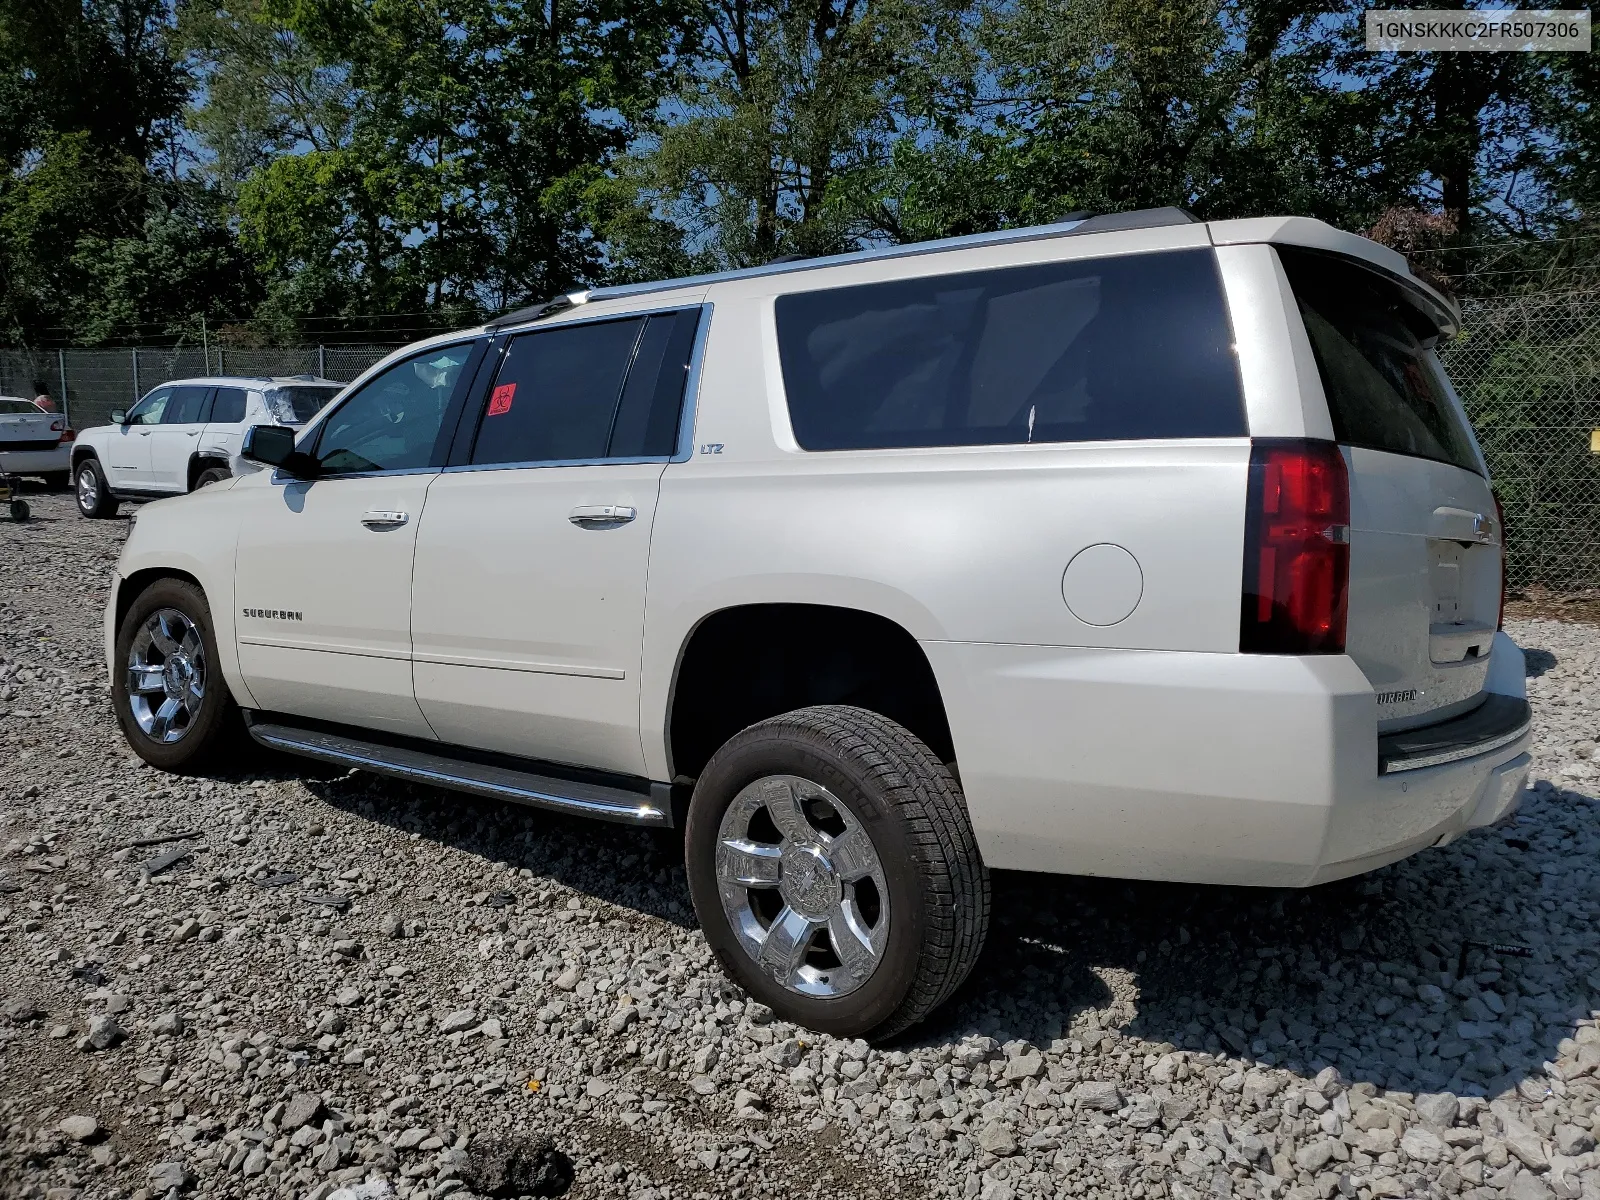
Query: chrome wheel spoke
point(752, 864)
point(783, 951)
point(852, 854)
point(161, 636)
point(783, 806)
point(144, 679)
point(852, 945)
point(161, 722)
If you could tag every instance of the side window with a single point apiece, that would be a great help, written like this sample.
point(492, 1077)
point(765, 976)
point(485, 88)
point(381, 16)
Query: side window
point(652, 401)
point(611, 389)
point(556, 393)
point(1135, 346)
point(228, 406)
point(149, 410)
point(393, 421)
point(187, 406)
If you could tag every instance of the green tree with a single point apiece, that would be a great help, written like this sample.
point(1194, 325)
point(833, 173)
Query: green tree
point(785, 115)
point(434, 156)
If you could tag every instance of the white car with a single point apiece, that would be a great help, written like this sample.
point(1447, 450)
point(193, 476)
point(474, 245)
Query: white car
point(185, 435)
point(1133, 546)
point(34, 442)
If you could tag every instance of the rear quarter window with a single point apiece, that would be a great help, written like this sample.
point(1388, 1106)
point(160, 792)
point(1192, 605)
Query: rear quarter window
point(1385, 387)
point(1129, 347)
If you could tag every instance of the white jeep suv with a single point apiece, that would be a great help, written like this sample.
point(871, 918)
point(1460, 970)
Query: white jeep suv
point(184, 435)
point(1134, 546)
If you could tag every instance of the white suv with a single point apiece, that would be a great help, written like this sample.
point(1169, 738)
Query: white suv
point(184, 435)
point(1135, 546)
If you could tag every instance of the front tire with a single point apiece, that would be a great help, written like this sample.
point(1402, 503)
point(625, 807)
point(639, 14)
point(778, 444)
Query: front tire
point(170, 697)
point(94, 494)
point(835, 872)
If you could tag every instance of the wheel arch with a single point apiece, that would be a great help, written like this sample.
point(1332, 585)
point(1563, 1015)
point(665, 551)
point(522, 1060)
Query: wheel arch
point(743, 663)
point(136, 584)
point(200, 462)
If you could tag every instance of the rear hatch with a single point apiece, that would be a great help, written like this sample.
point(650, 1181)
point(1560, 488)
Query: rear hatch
point(1425, 543)
point(25, 427)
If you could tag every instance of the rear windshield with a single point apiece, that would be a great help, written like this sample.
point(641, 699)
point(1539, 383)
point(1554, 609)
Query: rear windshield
point(304, 402)
point(1136, 346)
point(1386, 390)
point(8, 405)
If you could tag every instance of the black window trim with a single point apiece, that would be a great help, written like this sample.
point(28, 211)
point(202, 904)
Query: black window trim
point(466, 435)
point(477, 344)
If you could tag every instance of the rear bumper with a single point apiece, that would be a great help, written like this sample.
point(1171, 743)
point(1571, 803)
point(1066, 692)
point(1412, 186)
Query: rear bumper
point(36, 462)
point(1206, 768)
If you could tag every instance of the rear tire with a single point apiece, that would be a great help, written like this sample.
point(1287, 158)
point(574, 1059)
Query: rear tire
point(94, 494)
point(827, 823)
point(166, 685)
point(211, 475)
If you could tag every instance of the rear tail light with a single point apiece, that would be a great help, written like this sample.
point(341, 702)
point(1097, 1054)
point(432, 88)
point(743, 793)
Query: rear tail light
point(68, 434)
point(1297, 549)
point(1500, 518)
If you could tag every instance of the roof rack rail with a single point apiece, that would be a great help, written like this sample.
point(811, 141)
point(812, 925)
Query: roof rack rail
point(1139, 218)
point(535, 312)
point(1073, 223)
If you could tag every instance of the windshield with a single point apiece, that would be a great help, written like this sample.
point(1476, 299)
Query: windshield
point(298, 404)
point(9, 404)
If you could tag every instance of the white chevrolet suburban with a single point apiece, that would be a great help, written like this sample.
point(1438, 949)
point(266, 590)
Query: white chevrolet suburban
point(1132, 546)
point(185, 435)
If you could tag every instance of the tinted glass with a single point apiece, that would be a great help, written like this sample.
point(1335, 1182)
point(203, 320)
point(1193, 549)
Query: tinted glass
point(25, 407)
point(1386, 390)
point(297, 405)
point(1130, 347)
point(186, 407)
point(646, 425)
point(393, 421)
point(227, 408)
point(557, 393)
point(149, 410)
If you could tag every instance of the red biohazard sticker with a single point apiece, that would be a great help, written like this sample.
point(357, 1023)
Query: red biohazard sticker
point(500, 399)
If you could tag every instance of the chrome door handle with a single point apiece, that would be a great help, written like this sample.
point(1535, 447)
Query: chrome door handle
point(382, 519)
point(602, 514)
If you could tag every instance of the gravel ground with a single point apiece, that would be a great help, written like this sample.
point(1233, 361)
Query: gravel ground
point(352, 984)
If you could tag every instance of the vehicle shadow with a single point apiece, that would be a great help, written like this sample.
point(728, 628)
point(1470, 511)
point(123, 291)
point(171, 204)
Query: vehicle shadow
point(622, 865)
point(1336, 975)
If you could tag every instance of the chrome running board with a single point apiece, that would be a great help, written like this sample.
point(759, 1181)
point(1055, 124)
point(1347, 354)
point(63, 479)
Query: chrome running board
point(480, 779)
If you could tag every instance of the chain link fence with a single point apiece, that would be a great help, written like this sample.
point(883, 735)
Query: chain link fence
point(1527, 367)
point(89, 383)
point(1528, 370)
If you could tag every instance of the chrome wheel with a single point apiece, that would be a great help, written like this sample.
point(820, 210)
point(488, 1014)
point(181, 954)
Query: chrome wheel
point(166, 675)
point(88, 489)
point(802, 886)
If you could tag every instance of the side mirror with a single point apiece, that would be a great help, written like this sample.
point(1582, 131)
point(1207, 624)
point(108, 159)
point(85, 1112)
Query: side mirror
point(119, 416)
point(274, 446)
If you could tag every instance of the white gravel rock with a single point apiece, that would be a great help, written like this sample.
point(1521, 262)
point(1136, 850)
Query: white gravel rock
point(1119, 1040)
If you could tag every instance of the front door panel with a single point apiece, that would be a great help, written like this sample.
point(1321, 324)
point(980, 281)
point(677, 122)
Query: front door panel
point(323, 586)
point(527, 626)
